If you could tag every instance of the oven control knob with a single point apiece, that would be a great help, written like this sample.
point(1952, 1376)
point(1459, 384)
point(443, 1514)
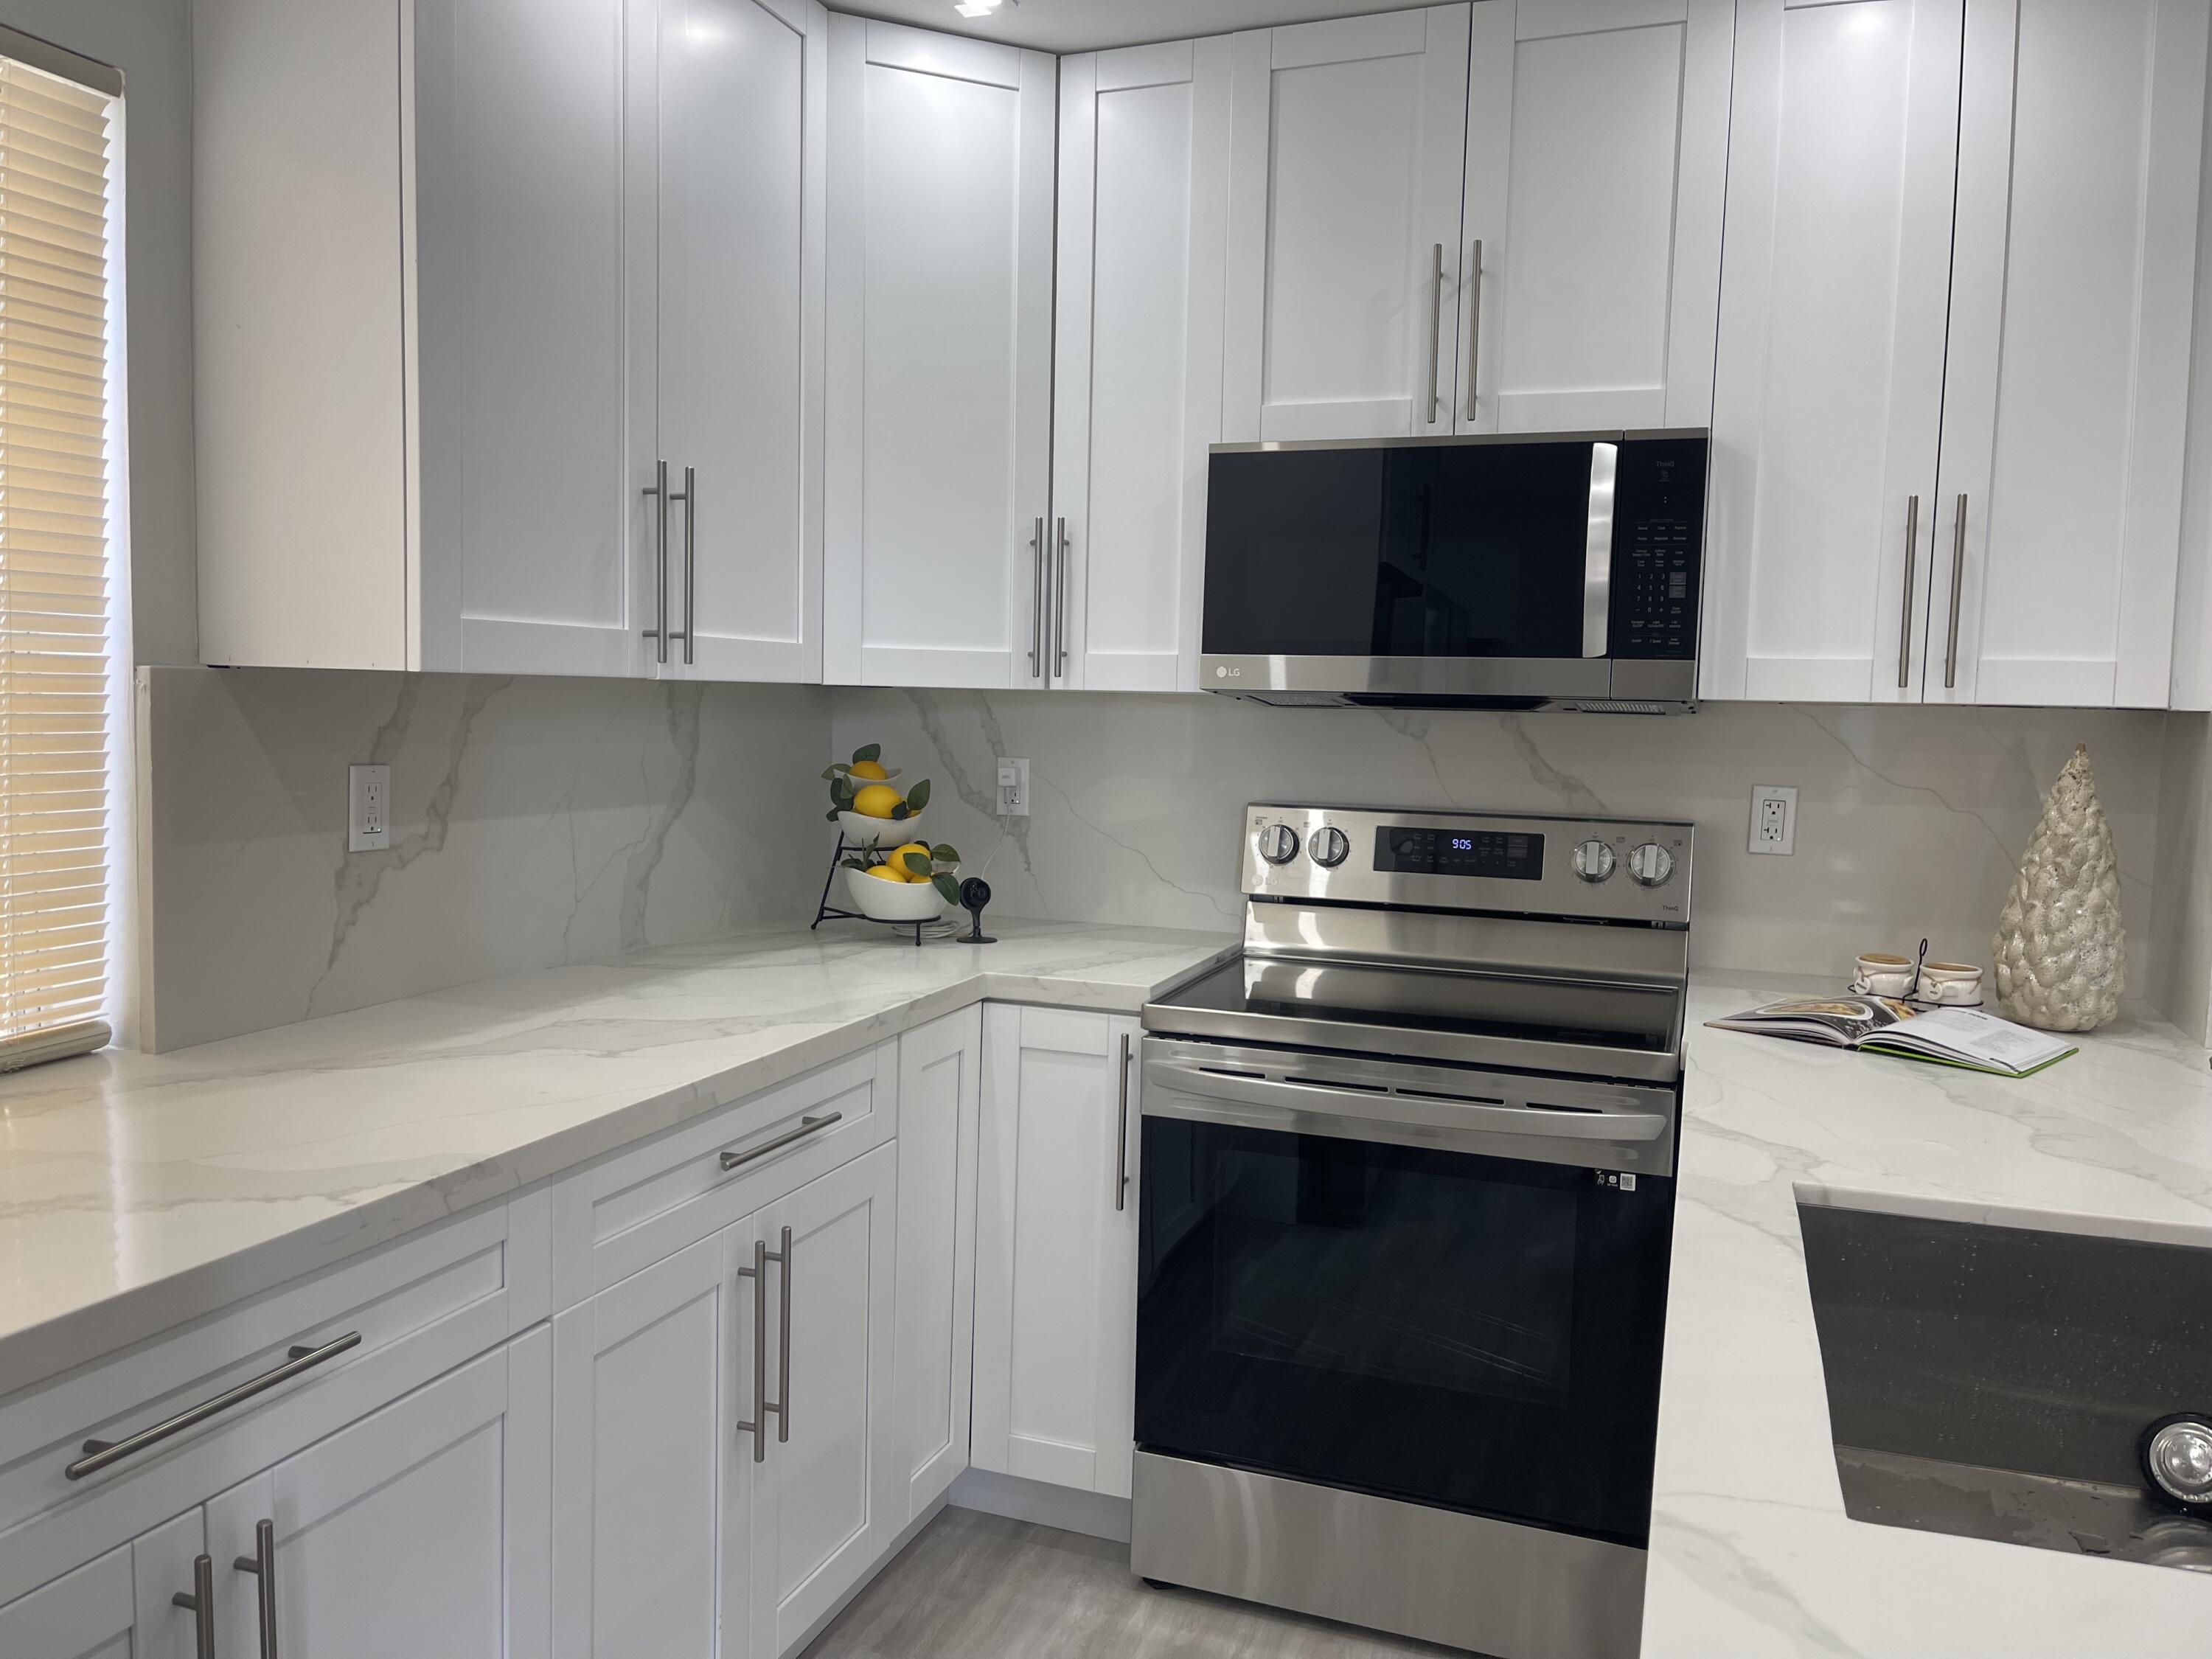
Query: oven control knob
point(1328, 846)
point(1278, 843)
point(1650, 865)
point(1593, 861)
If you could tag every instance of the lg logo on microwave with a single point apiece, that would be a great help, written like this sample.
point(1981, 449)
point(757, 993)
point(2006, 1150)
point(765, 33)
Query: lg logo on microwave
point(1224, 671)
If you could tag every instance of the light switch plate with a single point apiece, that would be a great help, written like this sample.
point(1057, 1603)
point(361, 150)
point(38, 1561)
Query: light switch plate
point(369, 808)
point(1773, 818)
point(1013, 788)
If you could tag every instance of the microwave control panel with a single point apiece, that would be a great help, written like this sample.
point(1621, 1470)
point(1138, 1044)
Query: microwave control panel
point(1659, 515)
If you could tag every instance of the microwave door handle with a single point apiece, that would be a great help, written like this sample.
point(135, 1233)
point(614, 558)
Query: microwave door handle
point(1316, 1099)
point(1597, 549)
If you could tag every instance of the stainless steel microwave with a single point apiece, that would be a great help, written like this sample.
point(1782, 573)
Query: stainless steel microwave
point(1520, 571)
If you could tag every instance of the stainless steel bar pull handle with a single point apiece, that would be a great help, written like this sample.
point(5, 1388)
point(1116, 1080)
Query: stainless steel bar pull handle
point(1060, 601)
point(807, 1125)
point(1036, 599)
point(262, 1564)
point(1957, 579)
point(200, 1603)
point(659, 488)
point(102, 1454)
point(758, 1274)
point(782, 1406)
point(1905, 623)
point(690, 500)
point(1436, 326)
point(1474, 326)
point(1121, 1134)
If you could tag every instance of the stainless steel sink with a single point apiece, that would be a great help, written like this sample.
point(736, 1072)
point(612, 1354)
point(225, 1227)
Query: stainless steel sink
point(1998, 1382)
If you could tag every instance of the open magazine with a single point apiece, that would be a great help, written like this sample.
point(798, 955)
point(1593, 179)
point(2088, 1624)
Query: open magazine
point(1884, 1025)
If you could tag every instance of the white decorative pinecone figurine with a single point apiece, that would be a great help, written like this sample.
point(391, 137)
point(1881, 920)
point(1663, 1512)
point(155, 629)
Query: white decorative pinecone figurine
point(2060, 952)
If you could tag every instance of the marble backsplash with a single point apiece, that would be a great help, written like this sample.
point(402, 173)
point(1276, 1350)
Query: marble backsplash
point(1911, 820)
point(534, 822)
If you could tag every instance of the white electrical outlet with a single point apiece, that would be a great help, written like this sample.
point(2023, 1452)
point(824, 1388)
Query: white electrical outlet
point(1773, 818)
point(369, 808)
point(1013, 788)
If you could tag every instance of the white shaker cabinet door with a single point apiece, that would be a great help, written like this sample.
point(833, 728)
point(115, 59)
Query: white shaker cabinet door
point(830, 1498)
point(423, 1529)
point(739, 129)
point(652, 1473)
point(1056, 1248)
point(941, 249)
point(1345, 165)
point(1596, 167)
point(121, 1605)
point(2065, 406)
point(1829, 386)
point(1143, 189)
point(533, 454)
point(939, 1094)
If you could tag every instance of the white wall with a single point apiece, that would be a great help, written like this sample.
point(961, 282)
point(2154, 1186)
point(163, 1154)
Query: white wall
point(535, 821)
point(150, 41)
point(1910, 821)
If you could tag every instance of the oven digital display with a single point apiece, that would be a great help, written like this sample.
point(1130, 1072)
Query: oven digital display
point(1510, 855)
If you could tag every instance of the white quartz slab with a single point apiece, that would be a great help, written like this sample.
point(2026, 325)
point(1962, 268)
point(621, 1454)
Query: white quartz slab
point(1751, 1550)
point(137, 1191)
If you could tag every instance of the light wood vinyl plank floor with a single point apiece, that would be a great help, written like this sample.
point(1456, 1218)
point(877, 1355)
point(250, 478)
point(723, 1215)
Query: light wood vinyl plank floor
point(974, 1586)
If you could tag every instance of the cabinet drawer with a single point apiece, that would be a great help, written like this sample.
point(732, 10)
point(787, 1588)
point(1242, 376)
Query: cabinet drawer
point(638, 1206)
point(418, 1307)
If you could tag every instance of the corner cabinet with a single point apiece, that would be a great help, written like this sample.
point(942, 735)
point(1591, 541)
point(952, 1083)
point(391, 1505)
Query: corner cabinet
point(1056, 1248)
point(939, 387)
point(467, 274)
point(1948, 422)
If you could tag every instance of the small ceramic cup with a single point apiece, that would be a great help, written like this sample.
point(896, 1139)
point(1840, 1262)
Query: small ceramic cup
point(1885, 976)
point(1951, 984)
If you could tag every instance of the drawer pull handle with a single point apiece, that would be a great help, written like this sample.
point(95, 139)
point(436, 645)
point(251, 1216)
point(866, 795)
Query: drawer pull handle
point(262, 1564)
point(807, 1125)
point(103, 1454)
point(200, 1603)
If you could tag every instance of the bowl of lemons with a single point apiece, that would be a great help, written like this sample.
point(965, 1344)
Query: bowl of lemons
point(910, 883)
point(867, 805)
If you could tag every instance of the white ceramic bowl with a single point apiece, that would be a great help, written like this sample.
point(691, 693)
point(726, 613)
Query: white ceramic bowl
point(861, 830)
point(893, 900)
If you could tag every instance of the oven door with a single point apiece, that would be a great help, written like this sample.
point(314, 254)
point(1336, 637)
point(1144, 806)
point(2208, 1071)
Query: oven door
point(1328, 1297)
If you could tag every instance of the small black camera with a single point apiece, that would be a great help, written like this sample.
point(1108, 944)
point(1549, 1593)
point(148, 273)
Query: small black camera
point(975, 894)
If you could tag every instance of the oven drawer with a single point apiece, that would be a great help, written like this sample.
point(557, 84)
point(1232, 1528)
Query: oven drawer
point(642, 1206)
point(371, 1328)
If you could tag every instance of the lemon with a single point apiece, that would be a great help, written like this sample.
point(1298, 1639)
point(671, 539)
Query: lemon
point(897, 856)
point(885, 873)
point(865, 770)
point(876, 801)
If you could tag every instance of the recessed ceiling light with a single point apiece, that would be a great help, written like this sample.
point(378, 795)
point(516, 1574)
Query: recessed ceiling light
point(981, 8)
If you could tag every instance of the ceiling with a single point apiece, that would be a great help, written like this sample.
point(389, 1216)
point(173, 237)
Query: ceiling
point(1087, 25)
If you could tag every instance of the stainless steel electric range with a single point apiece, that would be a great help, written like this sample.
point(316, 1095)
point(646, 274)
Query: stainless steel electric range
point(1408, 1198)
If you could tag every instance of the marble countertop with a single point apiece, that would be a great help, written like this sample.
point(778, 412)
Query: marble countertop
point(1752, 1553)
point(137, 1191)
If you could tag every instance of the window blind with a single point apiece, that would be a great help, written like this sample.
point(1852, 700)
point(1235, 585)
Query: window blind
point(54, 579)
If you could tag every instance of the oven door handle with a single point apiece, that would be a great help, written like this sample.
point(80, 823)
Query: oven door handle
point(1356, 1106)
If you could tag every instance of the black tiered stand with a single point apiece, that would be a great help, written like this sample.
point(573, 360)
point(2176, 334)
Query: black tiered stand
point(826, 911)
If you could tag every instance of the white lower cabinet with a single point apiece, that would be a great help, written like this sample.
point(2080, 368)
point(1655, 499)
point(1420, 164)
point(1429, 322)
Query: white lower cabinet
point(1056, 1248)
point(423, 1530)
point(120, 1606)
point(940, 1102)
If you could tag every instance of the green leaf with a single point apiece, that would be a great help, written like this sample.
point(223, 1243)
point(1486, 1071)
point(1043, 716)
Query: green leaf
point(947, 889)
point(836, 771)
point(945, 853)
point(868, 751)
point(901, 813)
point(853, 863)
point(917, 863)
point(830, 817)
point(918, 797)
point(842, 791)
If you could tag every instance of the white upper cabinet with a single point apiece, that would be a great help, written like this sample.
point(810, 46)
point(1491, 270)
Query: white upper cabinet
point(1346, 168)
point(740, 141)
point(1829, 381)
point(1597, 165)
point(940, 222)
point(1144, 193)
point(2058, 509)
